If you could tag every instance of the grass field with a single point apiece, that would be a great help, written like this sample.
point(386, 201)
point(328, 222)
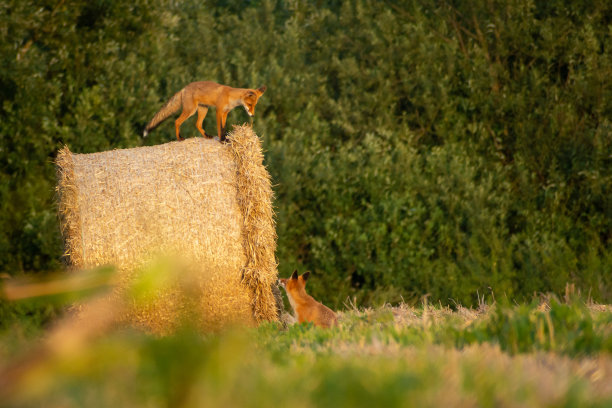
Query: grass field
point(548, 353)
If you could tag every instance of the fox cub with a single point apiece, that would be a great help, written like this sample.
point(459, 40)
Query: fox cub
point(305, 307)
point(199, 96)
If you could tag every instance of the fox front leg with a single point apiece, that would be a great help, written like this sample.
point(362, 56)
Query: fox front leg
point(221, 118)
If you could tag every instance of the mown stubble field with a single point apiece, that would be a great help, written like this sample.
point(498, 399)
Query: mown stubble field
point(549, 353)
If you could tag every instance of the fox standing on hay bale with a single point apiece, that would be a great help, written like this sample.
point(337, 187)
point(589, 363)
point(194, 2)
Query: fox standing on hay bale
point(306, 308)
point(202, 95)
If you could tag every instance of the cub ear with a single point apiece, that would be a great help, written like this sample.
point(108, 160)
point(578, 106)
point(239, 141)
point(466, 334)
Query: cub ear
point(294, 275)
point(262, 89)
point(306, 275)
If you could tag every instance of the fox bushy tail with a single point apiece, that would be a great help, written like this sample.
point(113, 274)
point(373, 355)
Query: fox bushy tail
point(170, 107)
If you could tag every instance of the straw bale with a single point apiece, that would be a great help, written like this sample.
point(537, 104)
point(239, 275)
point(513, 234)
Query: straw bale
point(207, 203)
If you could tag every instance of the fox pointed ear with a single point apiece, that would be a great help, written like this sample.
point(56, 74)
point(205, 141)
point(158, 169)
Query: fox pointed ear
point(294, 275)
point(262, 89)
point(306, 275)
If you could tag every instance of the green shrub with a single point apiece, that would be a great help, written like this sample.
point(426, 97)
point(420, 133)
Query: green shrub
point(417, 147)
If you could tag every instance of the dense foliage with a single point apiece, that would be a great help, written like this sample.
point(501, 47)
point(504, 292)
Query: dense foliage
point(439, 147)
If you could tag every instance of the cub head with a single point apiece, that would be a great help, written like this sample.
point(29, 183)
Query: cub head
point(250, 98)
point(295, 281)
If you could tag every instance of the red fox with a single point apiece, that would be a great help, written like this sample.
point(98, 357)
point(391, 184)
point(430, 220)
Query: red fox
point(199, 96)
point(305, 307)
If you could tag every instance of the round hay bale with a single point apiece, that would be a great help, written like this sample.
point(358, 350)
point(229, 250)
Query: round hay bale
point(207, 203)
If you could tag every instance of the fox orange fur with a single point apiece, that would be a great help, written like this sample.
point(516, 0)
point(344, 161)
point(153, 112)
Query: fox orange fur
point(305, 307)
point(199, 96)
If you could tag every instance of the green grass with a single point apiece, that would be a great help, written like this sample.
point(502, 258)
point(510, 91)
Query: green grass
point(552, 354)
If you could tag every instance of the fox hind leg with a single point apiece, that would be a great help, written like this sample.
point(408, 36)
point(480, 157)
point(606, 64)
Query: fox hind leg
point(202, 110)
point(186, 114)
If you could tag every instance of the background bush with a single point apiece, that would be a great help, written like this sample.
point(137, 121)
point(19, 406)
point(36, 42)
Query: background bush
point(442, 148)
